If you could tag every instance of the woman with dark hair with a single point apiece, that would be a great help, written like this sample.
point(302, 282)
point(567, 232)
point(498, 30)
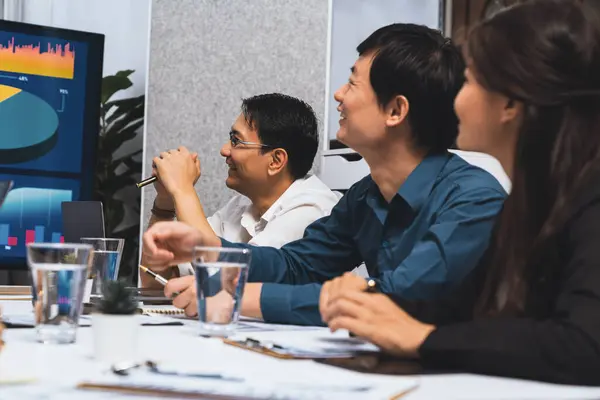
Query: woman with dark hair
point(532, 307)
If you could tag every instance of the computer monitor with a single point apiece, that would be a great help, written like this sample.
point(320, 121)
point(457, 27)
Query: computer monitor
point(50, 83)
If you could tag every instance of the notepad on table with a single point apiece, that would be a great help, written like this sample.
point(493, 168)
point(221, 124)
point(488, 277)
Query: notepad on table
point(161, 310)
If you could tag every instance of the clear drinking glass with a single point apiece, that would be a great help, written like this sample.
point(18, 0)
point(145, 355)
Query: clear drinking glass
point(58, 271)
point(105, 264)
point(220, 295)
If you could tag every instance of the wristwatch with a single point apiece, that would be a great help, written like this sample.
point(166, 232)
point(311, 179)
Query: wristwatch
point(162, 213)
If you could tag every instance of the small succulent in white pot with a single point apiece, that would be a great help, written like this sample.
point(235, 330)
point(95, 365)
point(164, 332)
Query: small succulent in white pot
point(115, 323)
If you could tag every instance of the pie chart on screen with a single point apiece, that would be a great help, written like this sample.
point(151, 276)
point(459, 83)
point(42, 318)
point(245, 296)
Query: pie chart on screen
point(28, 127)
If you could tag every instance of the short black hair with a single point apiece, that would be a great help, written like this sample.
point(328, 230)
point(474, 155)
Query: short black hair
point(422, 65)
point(286, 122)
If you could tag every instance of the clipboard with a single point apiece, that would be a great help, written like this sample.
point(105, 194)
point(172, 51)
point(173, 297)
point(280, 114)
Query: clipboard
point(158, 392)
point(257, 347)
point(291, 353)
point(372, 360)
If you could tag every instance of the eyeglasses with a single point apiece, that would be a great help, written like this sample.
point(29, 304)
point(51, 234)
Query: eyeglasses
point(235, 141)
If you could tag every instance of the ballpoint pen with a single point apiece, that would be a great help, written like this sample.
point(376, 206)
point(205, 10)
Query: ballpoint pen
point(125, 368)
point(157, 278)
point(371, 288)
point(146, 182)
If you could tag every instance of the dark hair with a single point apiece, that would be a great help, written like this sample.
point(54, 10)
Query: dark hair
point(285, 122)
point(545, 54)
point(420, 64)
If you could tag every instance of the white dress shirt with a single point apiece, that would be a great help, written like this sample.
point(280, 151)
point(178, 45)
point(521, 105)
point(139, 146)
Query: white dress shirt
point(305, 201)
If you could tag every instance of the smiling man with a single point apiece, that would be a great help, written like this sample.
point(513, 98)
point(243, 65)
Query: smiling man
point(419, 221)
point(271, 148)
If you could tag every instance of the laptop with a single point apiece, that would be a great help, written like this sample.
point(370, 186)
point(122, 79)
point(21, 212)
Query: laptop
point(82, 219)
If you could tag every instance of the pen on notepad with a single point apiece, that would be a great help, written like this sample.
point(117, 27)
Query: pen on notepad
point(157, 278)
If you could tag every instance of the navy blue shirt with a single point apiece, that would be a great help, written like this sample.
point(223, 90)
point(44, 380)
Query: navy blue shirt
point(419, 246)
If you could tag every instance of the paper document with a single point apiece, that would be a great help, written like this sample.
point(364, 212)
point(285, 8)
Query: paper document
point(258, 326)
point(263, 388)
point(315, 343)
point(26, 320)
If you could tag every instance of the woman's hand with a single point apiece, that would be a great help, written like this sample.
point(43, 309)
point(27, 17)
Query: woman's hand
point(334, 288)
point(376, 318)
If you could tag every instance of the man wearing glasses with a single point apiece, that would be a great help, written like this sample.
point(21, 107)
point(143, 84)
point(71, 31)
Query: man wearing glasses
point(271, 148)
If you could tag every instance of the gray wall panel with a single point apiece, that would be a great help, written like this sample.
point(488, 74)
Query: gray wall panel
point(205, 55)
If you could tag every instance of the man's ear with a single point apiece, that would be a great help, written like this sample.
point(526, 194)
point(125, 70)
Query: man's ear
point(279, 160)
point(512, 110)
point(397, 111)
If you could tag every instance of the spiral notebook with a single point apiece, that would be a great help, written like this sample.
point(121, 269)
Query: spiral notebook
point(161, 310)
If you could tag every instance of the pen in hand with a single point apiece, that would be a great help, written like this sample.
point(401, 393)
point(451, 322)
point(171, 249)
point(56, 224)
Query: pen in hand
point(371, 288)
point(158, 279)
point(146, 182)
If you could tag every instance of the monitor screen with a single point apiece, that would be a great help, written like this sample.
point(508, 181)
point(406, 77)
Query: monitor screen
point(50, 82)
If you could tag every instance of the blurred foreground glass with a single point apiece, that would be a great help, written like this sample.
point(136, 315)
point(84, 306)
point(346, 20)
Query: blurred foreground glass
point(58, 273)
point(221, 275)
point(105, 264)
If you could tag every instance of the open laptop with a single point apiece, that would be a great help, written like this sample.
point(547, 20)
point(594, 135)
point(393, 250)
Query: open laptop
point(82, 219)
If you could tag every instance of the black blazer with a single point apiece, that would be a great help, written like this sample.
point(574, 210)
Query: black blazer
point(558, 338)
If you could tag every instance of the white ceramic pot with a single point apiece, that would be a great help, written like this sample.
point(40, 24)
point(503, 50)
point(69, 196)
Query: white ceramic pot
point(115, 337)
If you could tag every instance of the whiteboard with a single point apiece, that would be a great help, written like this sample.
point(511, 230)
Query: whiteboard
point(351, 22)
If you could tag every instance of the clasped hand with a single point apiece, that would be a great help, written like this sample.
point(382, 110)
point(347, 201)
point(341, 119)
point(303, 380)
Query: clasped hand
point(373, 316)
point(177, 170)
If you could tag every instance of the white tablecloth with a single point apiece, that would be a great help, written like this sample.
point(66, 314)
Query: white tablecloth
point(58, 368)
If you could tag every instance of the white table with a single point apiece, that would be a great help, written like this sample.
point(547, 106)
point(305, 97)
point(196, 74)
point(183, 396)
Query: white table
point(58, 368)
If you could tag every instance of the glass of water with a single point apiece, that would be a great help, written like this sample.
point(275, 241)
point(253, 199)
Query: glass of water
point(221, 275)
point(105, 264)
point(58, 271)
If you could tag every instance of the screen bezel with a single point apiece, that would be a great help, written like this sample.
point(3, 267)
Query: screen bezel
point(91, 113)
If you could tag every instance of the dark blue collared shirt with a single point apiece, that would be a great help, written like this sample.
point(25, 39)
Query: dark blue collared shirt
point(418, 246)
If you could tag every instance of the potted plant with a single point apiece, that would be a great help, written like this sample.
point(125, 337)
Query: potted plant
point(115, 323)
point(119, 166)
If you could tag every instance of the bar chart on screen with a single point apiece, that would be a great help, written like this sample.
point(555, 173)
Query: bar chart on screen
point(32, 57)
point(31, 215)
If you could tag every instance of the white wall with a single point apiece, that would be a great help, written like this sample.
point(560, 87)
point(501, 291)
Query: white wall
point(124, 22)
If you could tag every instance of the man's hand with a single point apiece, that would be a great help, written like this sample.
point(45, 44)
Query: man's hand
point(230, 278)
point(187, 301)
point(337, 287)
point(169, 243)
point(177, 171)
point(376, 318)
point(219, 307)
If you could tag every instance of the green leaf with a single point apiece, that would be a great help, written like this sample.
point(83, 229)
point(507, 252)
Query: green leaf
point(131, 155)
point(124, 120)
point(122, 107)
point(117, 298)
point(125, 73)
point(114, 83)
point(133, 167)
point(115, 140)
point(120, 122)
